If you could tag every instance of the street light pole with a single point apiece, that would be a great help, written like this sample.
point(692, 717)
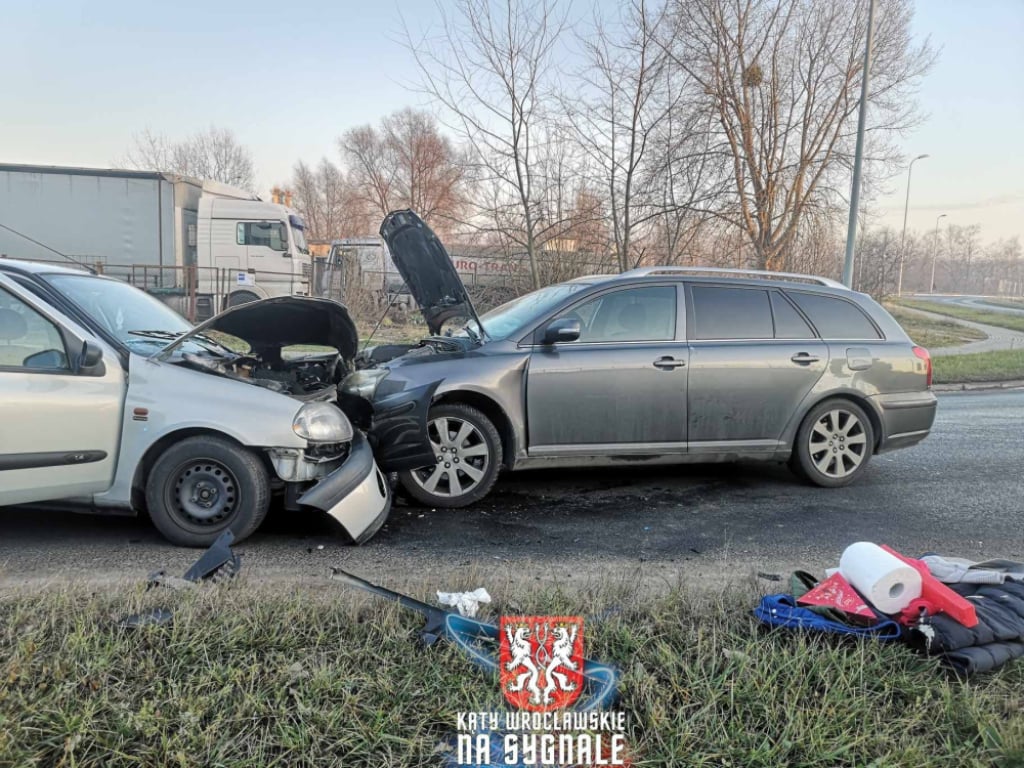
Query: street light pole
point(903, 237)
point(935, 248)
point(858, 158)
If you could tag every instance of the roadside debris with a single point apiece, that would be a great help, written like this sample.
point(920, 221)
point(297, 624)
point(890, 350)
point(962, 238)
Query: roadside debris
point(480, 641)
point(157, 617)
point(968, 615)
point(466, 603)
point(217, 564)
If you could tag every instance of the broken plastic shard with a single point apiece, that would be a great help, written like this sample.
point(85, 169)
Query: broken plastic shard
point(218, 562)
point(466, 603)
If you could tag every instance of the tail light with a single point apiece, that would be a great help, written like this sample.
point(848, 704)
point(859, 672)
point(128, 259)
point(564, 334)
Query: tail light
point(922, 353)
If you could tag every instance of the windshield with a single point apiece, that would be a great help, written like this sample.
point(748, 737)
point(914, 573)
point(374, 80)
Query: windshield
point(122, 310)
point(298, 234)
point(504, 321)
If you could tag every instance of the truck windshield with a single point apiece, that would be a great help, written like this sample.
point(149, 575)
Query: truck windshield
point(300, 239)
point(122, 310)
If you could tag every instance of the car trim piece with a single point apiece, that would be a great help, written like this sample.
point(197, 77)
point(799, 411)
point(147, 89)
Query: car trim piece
point(760, 273)
point(586, 449)
point(10, 461)
point(728, 446)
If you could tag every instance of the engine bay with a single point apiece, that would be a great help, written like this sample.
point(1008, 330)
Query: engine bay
point(310, 377)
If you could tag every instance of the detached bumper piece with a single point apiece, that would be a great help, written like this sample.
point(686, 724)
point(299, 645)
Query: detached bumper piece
point(217, 564)
point(356, 494)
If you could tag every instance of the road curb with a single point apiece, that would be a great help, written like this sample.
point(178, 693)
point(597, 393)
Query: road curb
point(972, 386)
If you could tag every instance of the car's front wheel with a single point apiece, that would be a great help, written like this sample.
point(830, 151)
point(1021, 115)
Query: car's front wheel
point(202, 486)
point(467, 452)
point(834, 443)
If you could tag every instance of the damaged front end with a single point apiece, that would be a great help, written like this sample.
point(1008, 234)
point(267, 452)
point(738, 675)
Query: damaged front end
point(306, 348)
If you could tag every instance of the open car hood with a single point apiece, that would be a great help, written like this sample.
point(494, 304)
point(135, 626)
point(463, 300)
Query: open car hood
point(427, 269)
point(283, 322)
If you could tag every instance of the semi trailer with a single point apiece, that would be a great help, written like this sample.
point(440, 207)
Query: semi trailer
point(199, 245)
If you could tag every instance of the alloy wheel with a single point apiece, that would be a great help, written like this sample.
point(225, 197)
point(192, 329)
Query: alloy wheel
point(462, 458)
point(837, 443)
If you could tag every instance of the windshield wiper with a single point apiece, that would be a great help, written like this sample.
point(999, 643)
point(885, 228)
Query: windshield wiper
point(205, 341)
point(477, 338)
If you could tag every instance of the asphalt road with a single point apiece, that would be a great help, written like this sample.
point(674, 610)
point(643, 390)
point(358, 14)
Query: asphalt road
point(997, 338)
point(960, 492)
point(970, 302)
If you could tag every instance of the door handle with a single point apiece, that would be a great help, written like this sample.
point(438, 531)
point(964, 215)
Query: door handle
point(802, 358)
point(668, 363)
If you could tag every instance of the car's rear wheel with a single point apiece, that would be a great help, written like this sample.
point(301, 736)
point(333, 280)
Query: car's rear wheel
point(834, 443)
point(467, 449)
point(202, 486)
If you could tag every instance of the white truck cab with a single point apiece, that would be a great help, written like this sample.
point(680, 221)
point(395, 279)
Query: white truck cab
point(250, 249)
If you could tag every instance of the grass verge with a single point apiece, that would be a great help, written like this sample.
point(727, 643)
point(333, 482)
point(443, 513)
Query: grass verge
point(1009, 303)
point(998, 319)
point(282, 676)
point(932, 332)
point(1004, 365)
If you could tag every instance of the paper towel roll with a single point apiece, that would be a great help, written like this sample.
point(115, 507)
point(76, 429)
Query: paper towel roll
point(885, 581)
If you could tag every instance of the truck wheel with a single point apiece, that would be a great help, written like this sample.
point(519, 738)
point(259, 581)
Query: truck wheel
point(240, 297)
point(834, 444)
point(202, 486)
point(468, 452)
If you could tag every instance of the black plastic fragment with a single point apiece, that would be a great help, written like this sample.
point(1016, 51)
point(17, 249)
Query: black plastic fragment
point(218, 562)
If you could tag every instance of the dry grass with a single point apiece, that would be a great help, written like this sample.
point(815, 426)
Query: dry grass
point(289, 676)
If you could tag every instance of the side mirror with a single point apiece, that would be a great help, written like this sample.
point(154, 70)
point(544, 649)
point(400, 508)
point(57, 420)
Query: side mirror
point(561, 329)
point(90, 359)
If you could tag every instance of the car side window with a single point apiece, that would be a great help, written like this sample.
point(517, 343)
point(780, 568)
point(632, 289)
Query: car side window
point(788, 322)
point(730, 313)
point(27, 339)
point(632, 314)
point(835, 318)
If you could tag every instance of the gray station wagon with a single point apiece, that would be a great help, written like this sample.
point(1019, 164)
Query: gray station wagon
point(655, 365)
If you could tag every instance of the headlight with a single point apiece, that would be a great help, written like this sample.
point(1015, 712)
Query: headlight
point(322, 423)
point(364, 383)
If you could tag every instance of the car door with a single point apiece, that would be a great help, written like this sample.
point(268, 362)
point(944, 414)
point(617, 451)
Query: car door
point(60, 422)
point(621, 386)
point(753, 359)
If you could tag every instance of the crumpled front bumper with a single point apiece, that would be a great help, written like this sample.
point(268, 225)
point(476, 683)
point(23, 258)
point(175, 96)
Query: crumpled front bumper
point(356, 494)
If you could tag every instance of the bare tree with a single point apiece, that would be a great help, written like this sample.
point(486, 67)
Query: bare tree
point(330, 203)
point(211, 154)
point(489, 68)
point(616, 112)
point(781, 80)
point(406, 163)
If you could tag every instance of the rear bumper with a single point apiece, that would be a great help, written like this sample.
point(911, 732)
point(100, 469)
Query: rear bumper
point(356, 494)
point(906, 418)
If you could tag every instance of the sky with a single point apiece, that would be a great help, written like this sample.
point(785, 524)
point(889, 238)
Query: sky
point(79, 79)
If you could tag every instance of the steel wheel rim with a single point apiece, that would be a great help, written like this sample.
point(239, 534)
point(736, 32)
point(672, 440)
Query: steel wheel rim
point(462, 458)
point(837, 443)
point(204, 493)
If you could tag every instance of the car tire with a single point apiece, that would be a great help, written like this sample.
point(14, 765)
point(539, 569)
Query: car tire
point(834, 444)
point(202, 486)
point(470, 454)
point(238, 298)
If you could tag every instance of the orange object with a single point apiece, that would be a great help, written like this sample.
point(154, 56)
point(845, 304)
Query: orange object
point(935, 597)
point(836, 592)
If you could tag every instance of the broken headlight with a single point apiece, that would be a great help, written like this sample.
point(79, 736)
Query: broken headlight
point(364, 383)
point(322, 423)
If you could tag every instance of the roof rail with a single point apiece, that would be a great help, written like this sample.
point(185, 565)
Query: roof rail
point(762, 273)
